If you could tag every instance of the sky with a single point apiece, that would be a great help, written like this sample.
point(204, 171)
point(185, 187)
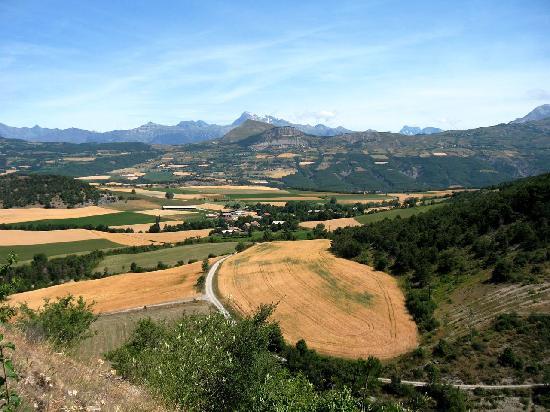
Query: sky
point(114, 64)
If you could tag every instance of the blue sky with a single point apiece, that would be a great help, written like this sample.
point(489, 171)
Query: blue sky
point(114, 64)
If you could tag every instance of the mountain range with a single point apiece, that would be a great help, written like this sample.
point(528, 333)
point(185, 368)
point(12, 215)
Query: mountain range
point(153, 133)
point(199, 131)
point(414, 130)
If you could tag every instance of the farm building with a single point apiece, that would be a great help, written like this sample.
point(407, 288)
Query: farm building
point(187, 207)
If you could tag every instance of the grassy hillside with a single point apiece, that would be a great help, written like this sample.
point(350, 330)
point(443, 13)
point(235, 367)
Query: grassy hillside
point(27, 252)
point(45, 190)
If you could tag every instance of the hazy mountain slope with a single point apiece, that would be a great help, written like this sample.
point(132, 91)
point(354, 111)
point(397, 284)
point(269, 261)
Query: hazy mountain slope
point(538, 113)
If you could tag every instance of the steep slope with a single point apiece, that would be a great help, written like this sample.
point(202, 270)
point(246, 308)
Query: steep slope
point(245, 130)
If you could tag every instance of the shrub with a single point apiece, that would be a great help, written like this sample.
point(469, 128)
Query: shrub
point(63, 323)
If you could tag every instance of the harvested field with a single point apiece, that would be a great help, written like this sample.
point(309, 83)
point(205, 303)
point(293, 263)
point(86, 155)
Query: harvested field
point(79, 159)
point(340, 307)
point(163, 212)
point(332, 224)
point(279, 204)
point(96, 177)
point(362, 201)
point(141, 239)
point(158, 194)
point(234, 188)
point(280, 199)
point(214, 206)
point(23, 237)
point(433, 193)
point(287, 155)
point(126, 291)
point(38, 213)
point(144, 227)
point(278, 173)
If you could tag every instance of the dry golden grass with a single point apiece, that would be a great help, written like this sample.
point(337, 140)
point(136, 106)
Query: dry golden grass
point(126, 291)
point(280, 199)
point(51, 381)
point(278, 173)
point(287, 155)
point(144, 227)
point(279, 204)
point(38, 213)
point(433, 193)
point(141, 239)
point(22, 237)
point(332, 224)
point(340, 307)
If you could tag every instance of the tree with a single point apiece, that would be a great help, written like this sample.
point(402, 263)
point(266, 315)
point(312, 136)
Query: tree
point(240, 247)
point(169, 195)
point(205, 265)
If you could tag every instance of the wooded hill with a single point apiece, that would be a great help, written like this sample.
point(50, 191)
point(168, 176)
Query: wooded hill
point(504, 230)
point(45, 190)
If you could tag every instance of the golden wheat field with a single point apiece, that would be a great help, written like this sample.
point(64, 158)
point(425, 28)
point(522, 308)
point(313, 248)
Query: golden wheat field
point(126, 291)
point(141, 239)
point(332, 224)
point(340, 307)
point(39, 213)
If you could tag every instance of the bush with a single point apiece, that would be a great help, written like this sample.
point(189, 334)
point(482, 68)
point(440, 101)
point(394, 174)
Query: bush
point(63, 323)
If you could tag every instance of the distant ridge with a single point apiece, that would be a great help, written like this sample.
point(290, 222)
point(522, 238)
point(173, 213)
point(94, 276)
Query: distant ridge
point(184, 132)
point(413, 130)
point(245, 129)
point(538, 113)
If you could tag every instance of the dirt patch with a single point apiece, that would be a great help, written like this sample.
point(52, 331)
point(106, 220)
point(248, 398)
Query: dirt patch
point(126, 291)
point(37, 213)
point(287, 155)
point(340, 307)
point(332, 224)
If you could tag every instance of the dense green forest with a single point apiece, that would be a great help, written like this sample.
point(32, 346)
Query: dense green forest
point(503, 230)
point(18, 190)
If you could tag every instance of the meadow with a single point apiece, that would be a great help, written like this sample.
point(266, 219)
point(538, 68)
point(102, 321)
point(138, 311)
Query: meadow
point(26, 252)
point(111, 219)
point(393, 213)
point(168, 256)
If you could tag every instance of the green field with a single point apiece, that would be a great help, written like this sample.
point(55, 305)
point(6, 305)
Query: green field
point(113, 330)
point(390, 214)
point(56, 249)
point(169, 256)
point(111, 219)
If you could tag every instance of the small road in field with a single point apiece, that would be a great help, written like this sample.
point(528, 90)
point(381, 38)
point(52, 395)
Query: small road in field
point(209, 288)
point(471, 387)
